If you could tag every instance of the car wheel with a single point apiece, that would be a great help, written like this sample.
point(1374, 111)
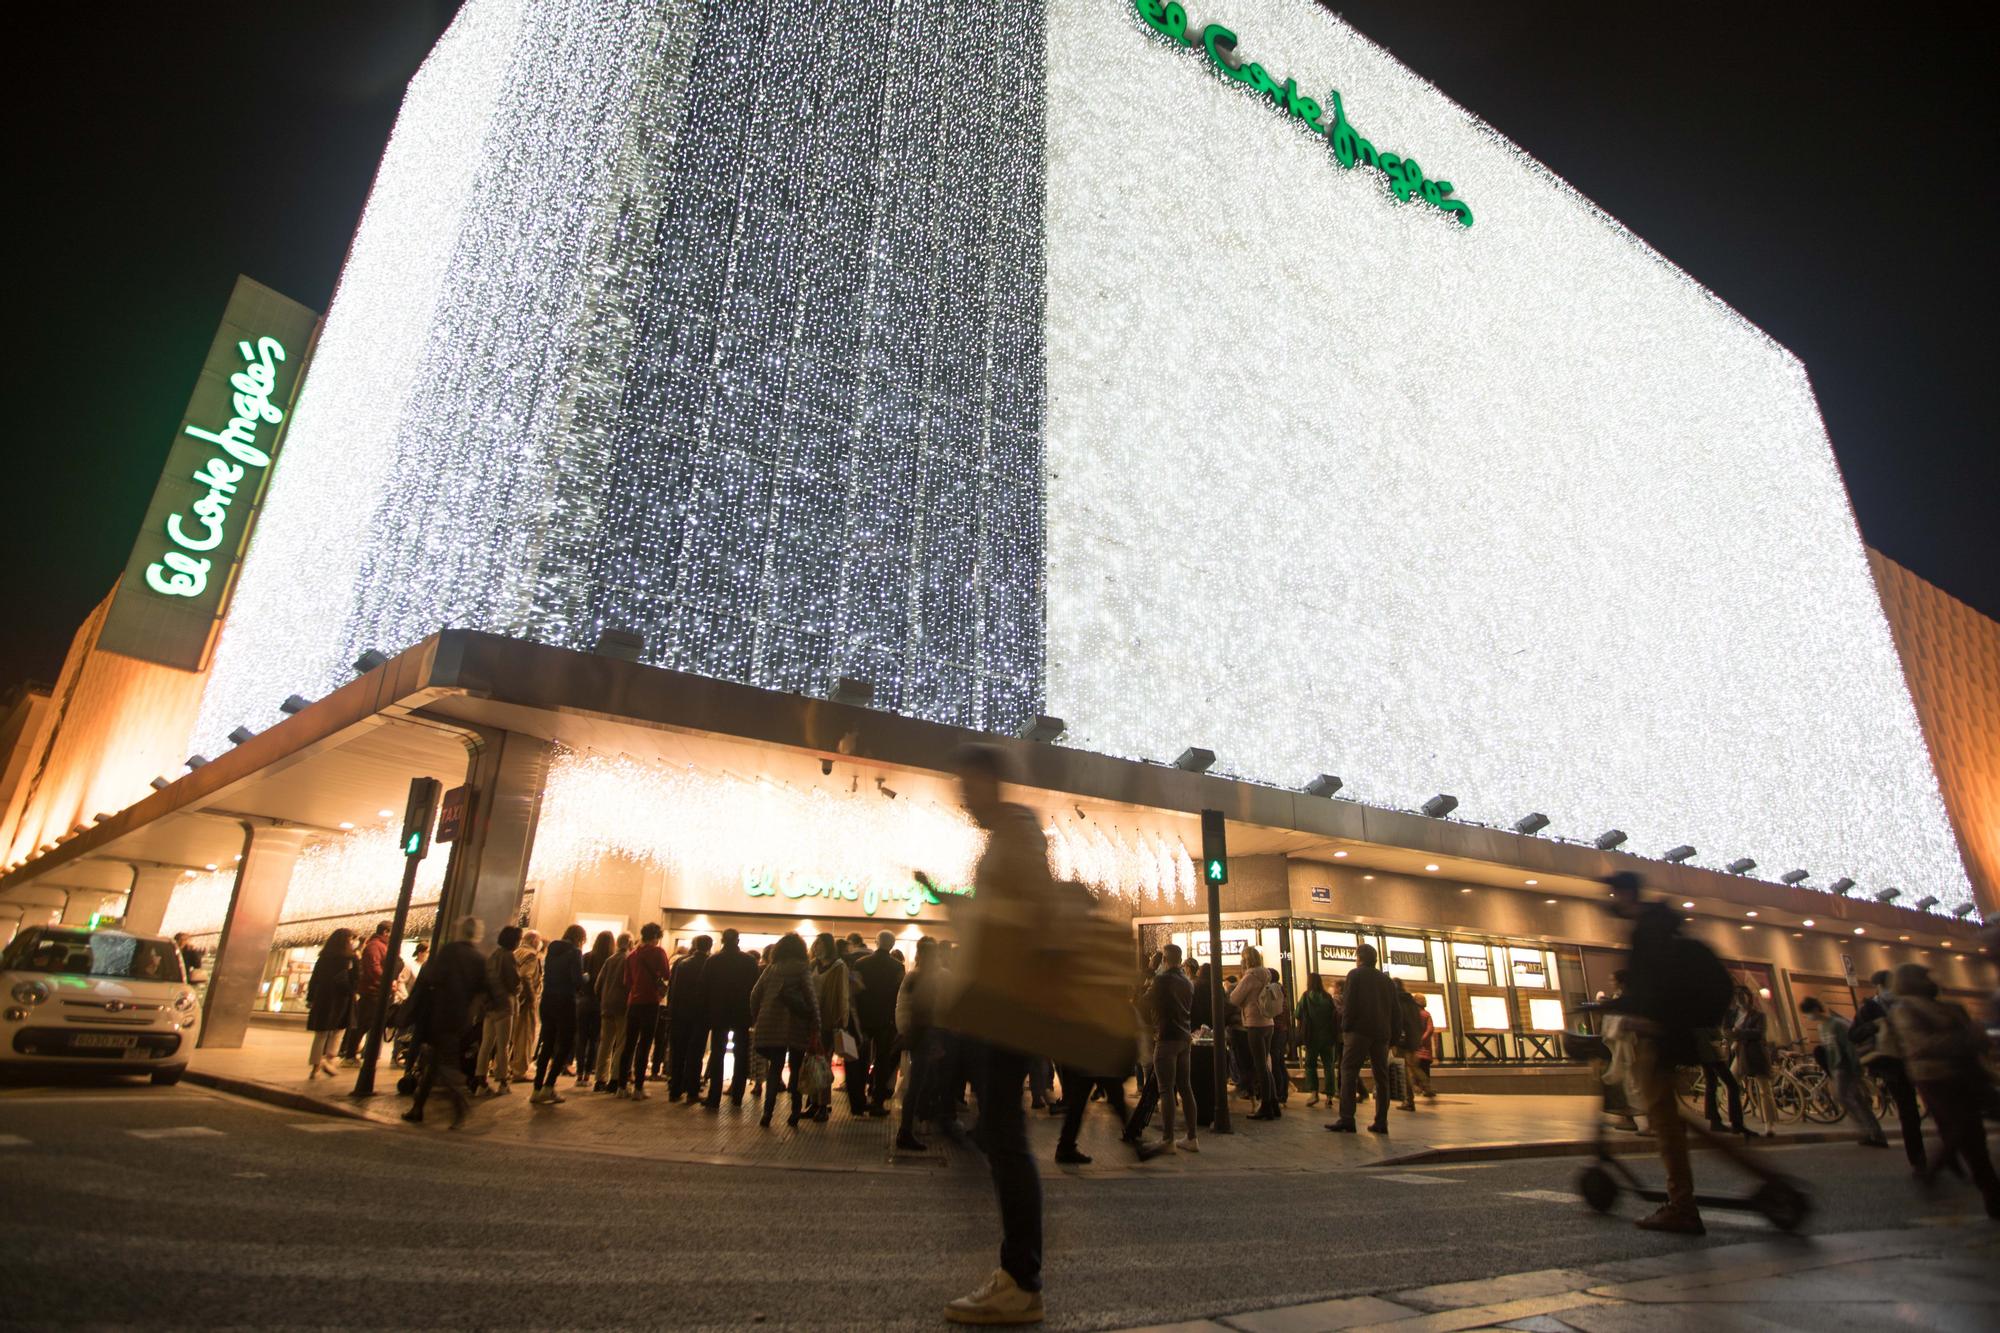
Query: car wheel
point(166, 1078)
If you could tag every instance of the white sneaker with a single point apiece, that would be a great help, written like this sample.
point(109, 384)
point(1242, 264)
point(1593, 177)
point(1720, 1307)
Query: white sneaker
point(1189, 1144)
point(998, 1301)
point(1160, 1148)
point(639, 1095)
point(544, 1097)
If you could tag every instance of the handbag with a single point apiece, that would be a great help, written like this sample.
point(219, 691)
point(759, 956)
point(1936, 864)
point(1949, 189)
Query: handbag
point(845, 1046)
point(816, 1077)
point(1052, 982)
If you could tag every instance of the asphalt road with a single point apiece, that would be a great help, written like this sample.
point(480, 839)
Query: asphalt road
point(132, 1204)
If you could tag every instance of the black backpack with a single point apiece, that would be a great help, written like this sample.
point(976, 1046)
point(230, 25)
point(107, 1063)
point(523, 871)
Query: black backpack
point(1700, 986)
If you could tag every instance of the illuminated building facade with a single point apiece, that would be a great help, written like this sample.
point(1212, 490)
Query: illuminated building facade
point(1201, 379)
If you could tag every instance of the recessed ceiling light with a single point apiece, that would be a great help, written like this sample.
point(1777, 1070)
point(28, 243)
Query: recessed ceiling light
point(1337, 855)
point(347, 823)
point(1549, 901)
point(1946, 943)
point(1744, 927)
point(1798, 934)
point(1533, 882)
point(210, 866)
point(1749, 914)
point(1861, 930)
point(1431, 868)
point(385, 814)
point(1465, 890)
point(1687, 904)
point(1809, 921)
point(1367, 877)
point(1903, 937)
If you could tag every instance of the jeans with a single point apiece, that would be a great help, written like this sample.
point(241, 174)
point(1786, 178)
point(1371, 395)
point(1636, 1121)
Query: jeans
point(1076, 1086)
point(719, 1043)
point(775, 1058)
point(1718, 1073)
point(495, 1043)
point(921, 1086)
point(637, 1044)
point(1262, 1086)
point(588, 1025)
point(323, 1046)
point(881, 1052)
point(610, 1046)
point(364, 1014)
point(1896, 1082)
point(558, 1040)
point(1376, 1053)
point(1003, 1132)
point(1172, 1069)
point(684, 1062)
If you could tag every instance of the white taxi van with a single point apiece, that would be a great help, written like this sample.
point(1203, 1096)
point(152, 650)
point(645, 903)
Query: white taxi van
point(96, 999)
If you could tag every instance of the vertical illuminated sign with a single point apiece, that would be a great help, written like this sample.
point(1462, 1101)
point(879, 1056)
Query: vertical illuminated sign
point(177, 580)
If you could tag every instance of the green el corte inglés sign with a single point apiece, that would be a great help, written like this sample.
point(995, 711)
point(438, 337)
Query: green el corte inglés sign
point(1405, 177)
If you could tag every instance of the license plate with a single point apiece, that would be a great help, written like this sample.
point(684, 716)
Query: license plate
point(113, 1040)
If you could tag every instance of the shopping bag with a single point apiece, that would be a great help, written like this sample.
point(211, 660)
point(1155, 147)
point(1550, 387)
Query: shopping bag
point(816, 1077)
point(1049, 978)
point(845, 1046)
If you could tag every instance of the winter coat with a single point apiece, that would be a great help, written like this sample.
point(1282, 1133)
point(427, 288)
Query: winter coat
point(503, 975)
point(1247, 995)
point(1413, 1019)
point(881, 980)
point(374, 955)
point(1372, 1006)
point(330, 993)
point(529, 961)
point(1753, 1049)
point(778, 1024)
point(917, 1001)
point(835, 999)
point(610, 984)
point(1938, 1040)
point(562, 975)
point(726, 982)
point(445, 992)
point(684, 988)
point(1319, 1021)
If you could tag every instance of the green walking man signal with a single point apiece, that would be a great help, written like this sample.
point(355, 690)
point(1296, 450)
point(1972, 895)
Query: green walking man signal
point(419, 815)
point(1214, 848)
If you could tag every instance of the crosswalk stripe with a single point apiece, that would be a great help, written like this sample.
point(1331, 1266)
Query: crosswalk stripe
point(1408, 1178)
point(176, 1132)
point(328, 1126)
point(1544, 1196)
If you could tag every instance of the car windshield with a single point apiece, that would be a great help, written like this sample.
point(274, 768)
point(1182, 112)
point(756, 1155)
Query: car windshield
point(99, 953)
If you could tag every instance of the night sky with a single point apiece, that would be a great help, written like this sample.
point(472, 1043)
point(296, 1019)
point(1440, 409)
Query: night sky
point(1828, 171)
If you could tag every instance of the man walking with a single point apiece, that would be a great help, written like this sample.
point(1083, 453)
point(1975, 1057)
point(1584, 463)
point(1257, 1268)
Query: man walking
point(1874, 1037)
point(646, 981)
point(726, 983)
point(368, 991)
point(880, 976)
point(503, 978)
point(444, 994)
point(690, 1035)
point(1371, 1021)
point(1845, 1067)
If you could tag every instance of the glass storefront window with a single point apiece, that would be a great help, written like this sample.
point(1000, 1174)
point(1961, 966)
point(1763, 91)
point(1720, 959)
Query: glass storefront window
point(1440, 1014)
point(1489, 1013)
point(1336, 952)
point(1471, 964)
point(1407, 958)
point(1529, 968)
point(1545, 1013)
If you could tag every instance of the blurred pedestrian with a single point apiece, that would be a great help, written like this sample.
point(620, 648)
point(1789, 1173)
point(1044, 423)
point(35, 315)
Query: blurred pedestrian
point(835, 996)
point(450, 995)
point(1874, 1038)
point(1941, 1049)
point(493, 1069)
point(1844, 1065)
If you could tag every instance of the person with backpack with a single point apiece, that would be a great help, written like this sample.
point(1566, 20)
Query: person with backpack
point(1676, 986)
point(1874, 1038)
point(1845, 1066)
point(1319, 1031)
point(1260, 1001)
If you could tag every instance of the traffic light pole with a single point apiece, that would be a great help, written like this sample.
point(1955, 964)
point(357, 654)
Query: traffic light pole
point(364, 1082)
point(1218, 1023)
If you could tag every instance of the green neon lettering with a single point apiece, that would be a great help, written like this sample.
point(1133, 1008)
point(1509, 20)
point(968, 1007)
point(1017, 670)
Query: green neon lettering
point(252, 406)
point(1405, 178)
point(189, 577)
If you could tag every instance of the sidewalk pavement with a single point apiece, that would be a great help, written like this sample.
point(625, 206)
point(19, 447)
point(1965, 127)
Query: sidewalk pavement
point(271, 1066)
point(1938, 1277)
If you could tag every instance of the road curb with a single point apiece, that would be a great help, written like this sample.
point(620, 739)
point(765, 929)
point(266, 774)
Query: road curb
point(273, 1096)
point(1624, 1145)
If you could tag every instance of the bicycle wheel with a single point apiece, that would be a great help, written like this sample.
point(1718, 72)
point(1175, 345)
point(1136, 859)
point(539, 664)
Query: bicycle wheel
point(1789, 1098)
point(1821, 1106)
point(1690, 1087)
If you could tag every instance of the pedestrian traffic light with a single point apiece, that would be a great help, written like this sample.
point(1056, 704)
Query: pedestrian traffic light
point(1214, 848)
point(418, 816)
